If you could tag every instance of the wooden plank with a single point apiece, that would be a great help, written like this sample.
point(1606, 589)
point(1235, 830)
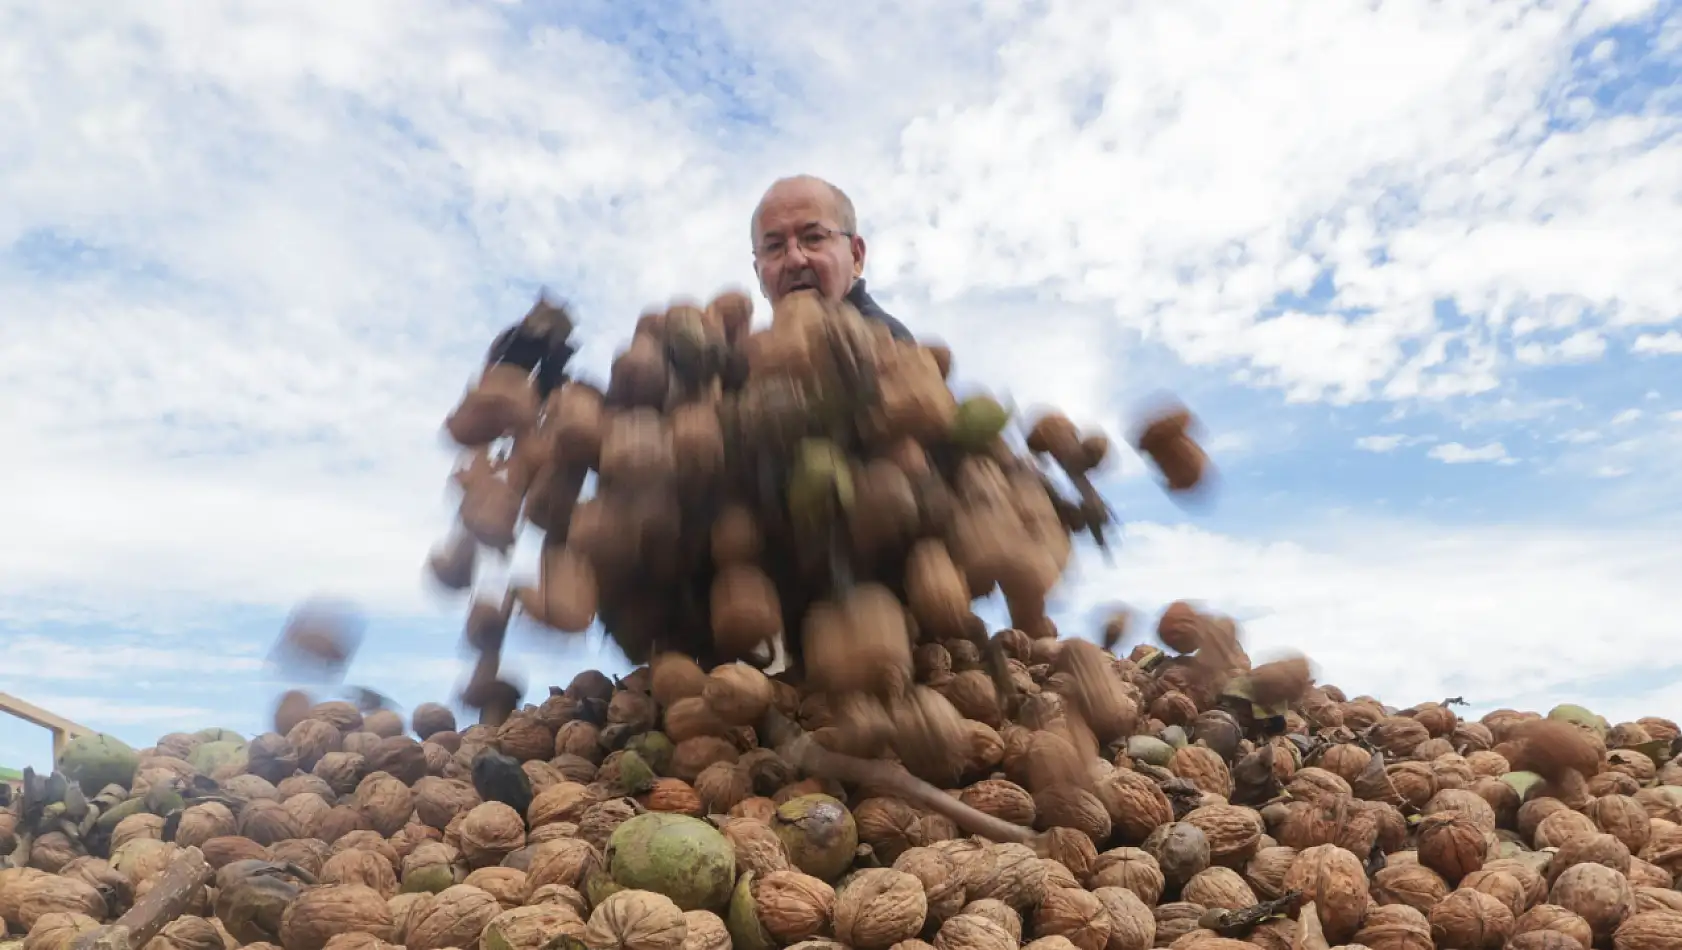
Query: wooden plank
point(62, 729)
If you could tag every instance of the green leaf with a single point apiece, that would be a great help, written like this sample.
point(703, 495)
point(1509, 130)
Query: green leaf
point(1658, 750)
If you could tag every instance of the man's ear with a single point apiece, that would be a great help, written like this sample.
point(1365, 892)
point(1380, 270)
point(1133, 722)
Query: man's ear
point(858, 256)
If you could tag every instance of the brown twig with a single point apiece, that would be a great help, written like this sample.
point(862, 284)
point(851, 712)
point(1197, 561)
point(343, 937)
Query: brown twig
point(800, 749)
point(174, 893)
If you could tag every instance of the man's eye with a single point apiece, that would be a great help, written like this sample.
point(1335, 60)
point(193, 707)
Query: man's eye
point(812, 240)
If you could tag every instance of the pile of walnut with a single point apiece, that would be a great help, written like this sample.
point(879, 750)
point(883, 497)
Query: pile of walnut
point(1213, 806)
point(815, 484)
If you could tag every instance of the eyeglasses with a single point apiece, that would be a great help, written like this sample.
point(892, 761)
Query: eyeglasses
point(811, 240)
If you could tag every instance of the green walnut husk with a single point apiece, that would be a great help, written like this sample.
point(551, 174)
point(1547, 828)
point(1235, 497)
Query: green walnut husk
point(684, 858)
point(979, 421)
point(635, 774)
point(819, 834)
point(599, 886)
point(218, 734)
point(1521, 782)
point(1150, 750)
point(1578, 716)
point(655, 748)
point(742, 920)
point(210, 756)
point(96, 761)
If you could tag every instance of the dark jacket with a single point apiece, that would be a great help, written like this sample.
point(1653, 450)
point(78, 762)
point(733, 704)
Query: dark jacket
point(871, 310)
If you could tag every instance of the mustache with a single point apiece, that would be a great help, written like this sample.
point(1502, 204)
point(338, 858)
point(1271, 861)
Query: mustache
point(805, 277)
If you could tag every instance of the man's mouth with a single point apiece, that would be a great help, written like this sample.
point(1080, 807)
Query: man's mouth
point(802, 282)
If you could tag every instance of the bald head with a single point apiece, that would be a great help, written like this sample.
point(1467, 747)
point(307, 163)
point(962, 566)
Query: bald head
point(805, 237)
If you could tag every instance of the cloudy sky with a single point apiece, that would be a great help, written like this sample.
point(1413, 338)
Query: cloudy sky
point(1414, 264)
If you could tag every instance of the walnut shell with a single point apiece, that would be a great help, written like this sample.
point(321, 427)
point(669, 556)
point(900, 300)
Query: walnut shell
point(1076, 915)
point(879, 907)
point(490, 832)
point(1556, 919)
point(1181, 850)
point(706, 931)
point(793, 906)
point(1396, 927)
point(1451, 845)
point(1007, 872)
point(1471, 920)
point(385, 802)
point(1653, 930)
point(1335, 881)
point(1596, 893)
point(455, 917)
point(941, 877)
point(636, 920)
point(1218, 887)
point(1233, 832)
point(972, 932)
point(322, 912)
point(1133, 869)
point(358, 866)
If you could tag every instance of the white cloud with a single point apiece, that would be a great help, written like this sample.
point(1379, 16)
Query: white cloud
point(1415, 612)
point(1380, 443)
point(1453, 453)
point(1669, 342)
point(1626, 416)
point(1583, 346)
point(1578, 436)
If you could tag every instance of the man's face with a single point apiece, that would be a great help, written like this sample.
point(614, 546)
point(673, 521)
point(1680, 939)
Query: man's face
point(798, 244)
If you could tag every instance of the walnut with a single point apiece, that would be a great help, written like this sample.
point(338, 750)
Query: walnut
point(737, 693)
point(1133, 869)
point(999, 913)
point(1596, 893)
point(1203, 768)
point(1396, 927)
point(565, 861)
point(508, 885)
point(384, 801)
point(1556, 919)
point(1504, 886)
point(636, 920)
point(267, 822)
point(1008, 872)
point(56, 930)
point(878, 908)
point(721, 786)
point(694, 755)
point(972, 932)
point(1218, 887)
point(1622, 817)
point(1181, 850)
point(357, 866)
point(490, 832)
point(1132, 925)
point(942, 880)
point(757, 847)
point(793, 906)
point(1653, 930)
point(1233, 832)
point(562, 801)
point(1471, 920)
point(1001, 799)
point(320, 913)
point(1451, 845)
point(1337, 884)
point(454, 918)
point(1137, 805)
point(1063, 806)
point(1593, 849)
point(202, 822)
point(1467, 804)
point(706, 931)
point(1562, 826)
point(342, 771)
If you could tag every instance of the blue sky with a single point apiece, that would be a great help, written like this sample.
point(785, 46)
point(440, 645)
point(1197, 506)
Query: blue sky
point(1413, 264)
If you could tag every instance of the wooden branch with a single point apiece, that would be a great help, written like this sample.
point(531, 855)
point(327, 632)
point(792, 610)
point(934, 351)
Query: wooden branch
point(174, 893)
point(802, 751)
